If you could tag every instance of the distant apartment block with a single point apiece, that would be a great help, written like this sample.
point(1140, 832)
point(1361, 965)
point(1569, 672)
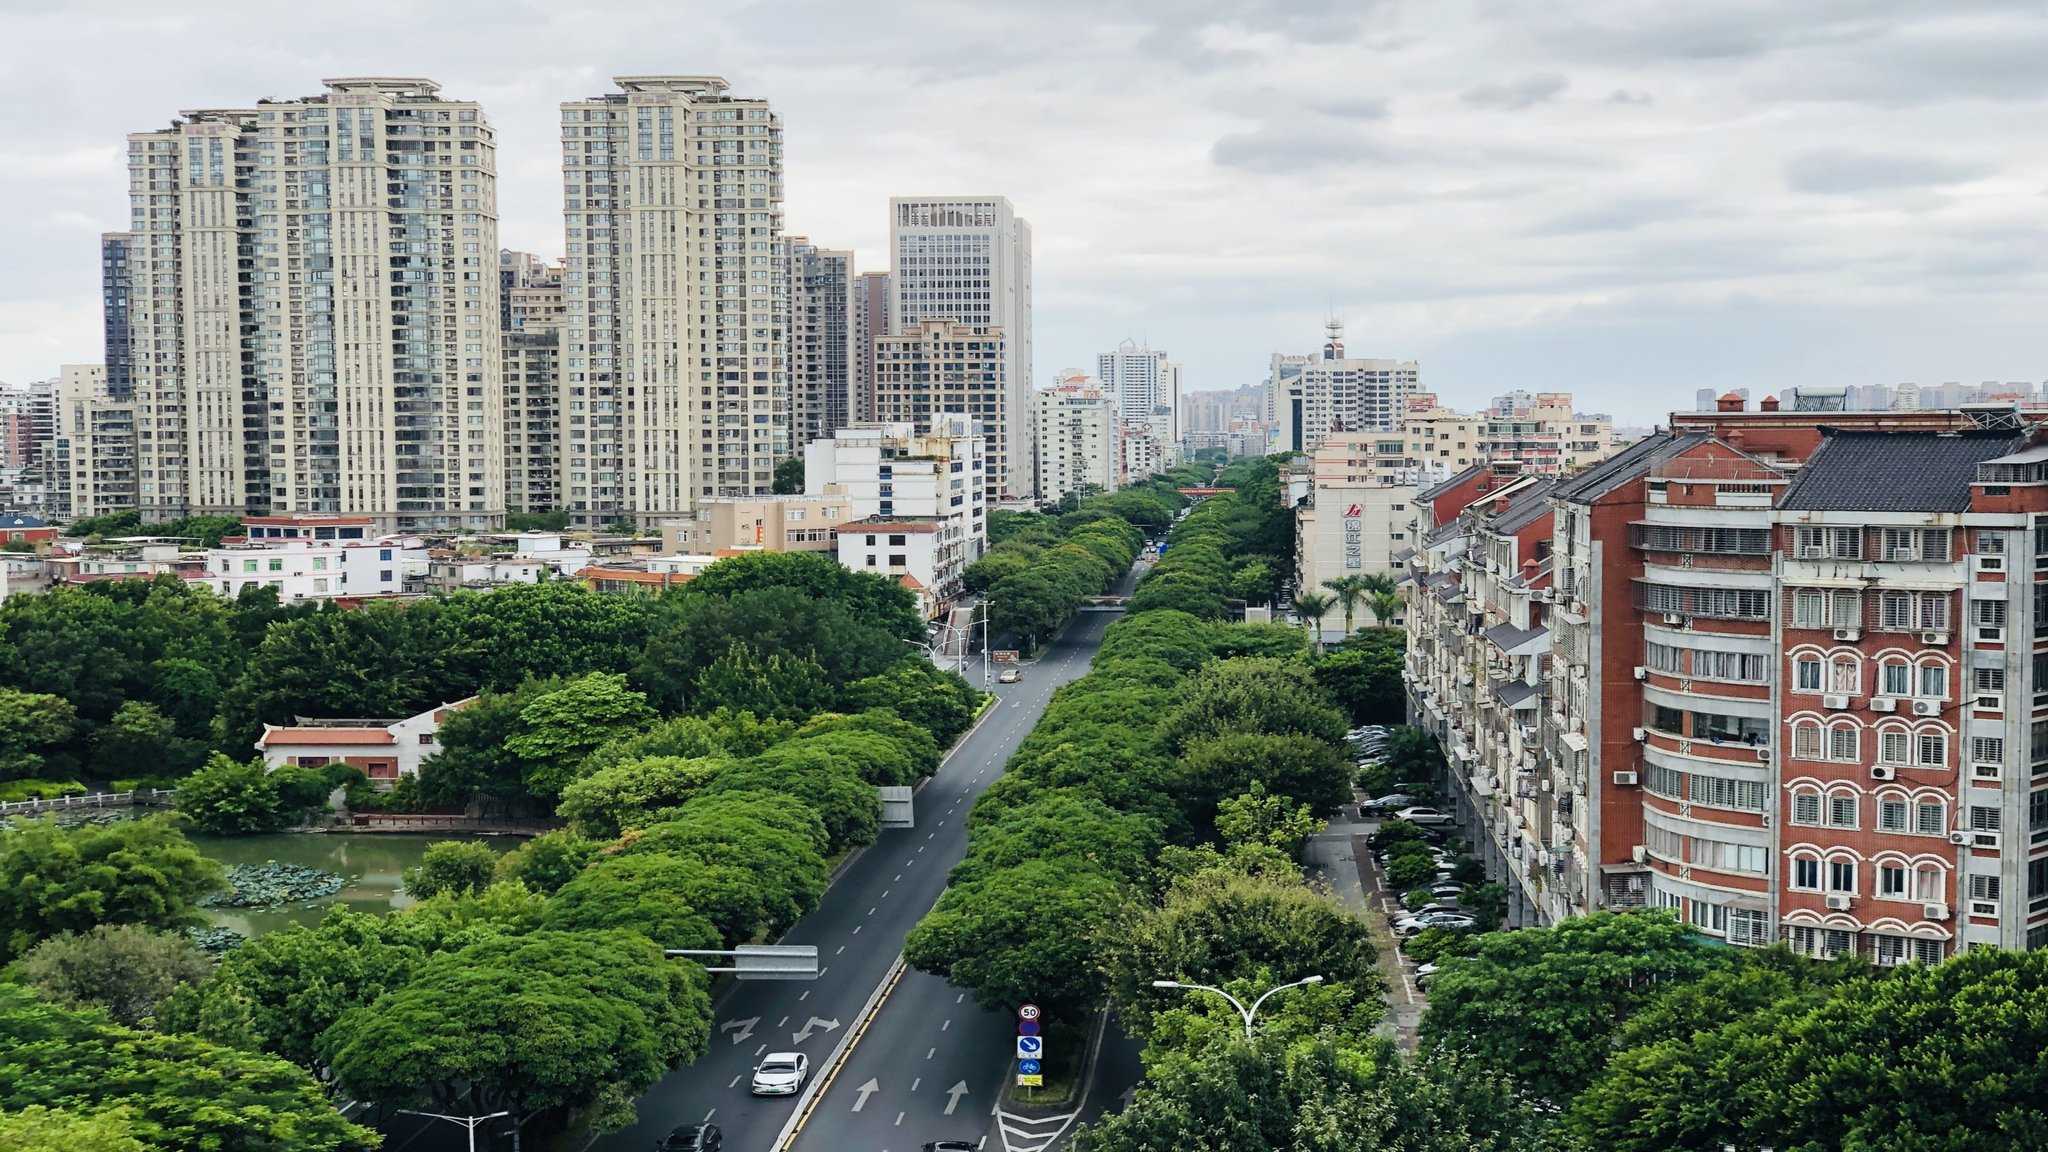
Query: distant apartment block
point(870, 319)
point(91, 454)
point(967, 260)
point(674, 358)
point(822, 334)
point(803, 523)
point(937, 367)
point(1075, 431)
point(530, 355)
point(356, 369)
point(897, 473)
point(1310, 398)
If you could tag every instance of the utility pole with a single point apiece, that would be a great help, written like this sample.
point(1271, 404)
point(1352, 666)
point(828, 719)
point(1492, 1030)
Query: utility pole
point(468, 1123)
point(985, 681)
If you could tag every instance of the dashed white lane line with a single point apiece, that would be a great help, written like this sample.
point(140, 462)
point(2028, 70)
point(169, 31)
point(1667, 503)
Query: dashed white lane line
point(735, 1081)
point(781, 1022)
point(856, 929)
point(930, 1052)
point(872, 911)
point(947, 1025)
point(842, 950)
point(915, 1081)
point(761, 1049)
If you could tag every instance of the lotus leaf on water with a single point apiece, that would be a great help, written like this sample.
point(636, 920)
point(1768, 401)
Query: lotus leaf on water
point(271, 884)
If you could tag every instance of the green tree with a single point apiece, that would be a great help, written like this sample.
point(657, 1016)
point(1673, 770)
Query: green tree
point(869, 598)
point(1028, 605)
point(1543, 1004)
point(558, 728)
point(789, 476)
point(608, 801)
point(55, 879)
point(647, 894)
point(1349, 592)
point(1033, 933)
point(1065, 825)
point(1301, 768)
point(909, 740)
point(138, 740)
point(185, 1094)
point(1365, 677)
point(849, 806)
point(232, 798)
point(452, 866)
point(1252, 582)
point(774, 841)
point(548, 861)
point(474, 762)
point(934, 699)
point(768, 621)
point(1261, 817)
point(1385, 607)
point(1413, 754)
point(1252, 695)
point(780, 686)
point(551, 1022)
point(1312, 607)
point(39, 1129)
point(124, 968)
point(536, 521)
point(31, 723)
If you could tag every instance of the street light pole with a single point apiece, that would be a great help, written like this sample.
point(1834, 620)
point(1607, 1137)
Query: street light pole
point(468, 1122)
point(1248, 1014)
point(985, 681)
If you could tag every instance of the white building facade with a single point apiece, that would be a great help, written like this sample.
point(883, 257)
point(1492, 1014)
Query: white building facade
point(1075, 430)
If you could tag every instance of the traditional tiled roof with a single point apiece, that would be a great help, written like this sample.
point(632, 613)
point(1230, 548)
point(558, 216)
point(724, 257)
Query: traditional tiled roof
point(1438, 489)
point(1895, 471)
point(274, 737)
point(1597, 480)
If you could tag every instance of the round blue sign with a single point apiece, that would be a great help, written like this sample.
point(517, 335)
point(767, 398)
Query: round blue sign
point(1028, 1045)
point(1027, 1027)
point(1027, 1067)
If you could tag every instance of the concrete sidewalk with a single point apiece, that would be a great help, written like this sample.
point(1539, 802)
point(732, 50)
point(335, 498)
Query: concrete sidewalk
point(1340, 855)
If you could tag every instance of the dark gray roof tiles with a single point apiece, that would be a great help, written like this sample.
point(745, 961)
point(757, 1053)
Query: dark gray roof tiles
point(1438, 489)
point(1597, 480)
point(1894, 471)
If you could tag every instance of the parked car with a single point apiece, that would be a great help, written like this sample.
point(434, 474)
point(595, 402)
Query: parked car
point(692, 1138)
point(781, 1073)
point(1391, 802)
point(1438, 906)
point(950, 1146)
point(1454, 921)
point(1447, 891)
point(1423, 974)
point(1009, 676)
point(1428, 817)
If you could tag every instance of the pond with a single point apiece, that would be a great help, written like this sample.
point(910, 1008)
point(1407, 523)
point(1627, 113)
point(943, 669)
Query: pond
point(370, 865)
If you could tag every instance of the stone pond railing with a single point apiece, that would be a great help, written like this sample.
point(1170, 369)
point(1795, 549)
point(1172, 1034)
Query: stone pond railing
point(141, 797)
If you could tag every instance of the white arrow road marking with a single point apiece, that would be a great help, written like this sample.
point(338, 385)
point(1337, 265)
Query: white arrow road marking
point(1023, 1134)
point(746, 1028)
point(812, 1025)
point(953, 1096)
point(864, 1091)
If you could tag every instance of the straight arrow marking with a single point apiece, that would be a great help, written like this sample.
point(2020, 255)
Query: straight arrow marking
point(953, 1096)
point(863, 1092)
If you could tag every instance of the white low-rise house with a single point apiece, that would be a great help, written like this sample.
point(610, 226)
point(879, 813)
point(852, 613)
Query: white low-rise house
point(904, 546)
point(316, 558)
point(386, 750)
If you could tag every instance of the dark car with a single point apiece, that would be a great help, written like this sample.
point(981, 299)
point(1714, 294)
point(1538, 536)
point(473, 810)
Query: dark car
point(692, 1138)
point(949, 1146)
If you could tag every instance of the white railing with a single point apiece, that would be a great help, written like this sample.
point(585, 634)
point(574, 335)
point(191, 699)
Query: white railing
point(146, 796)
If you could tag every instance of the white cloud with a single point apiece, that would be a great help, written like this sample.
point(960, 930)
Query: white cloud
point(1625, 198)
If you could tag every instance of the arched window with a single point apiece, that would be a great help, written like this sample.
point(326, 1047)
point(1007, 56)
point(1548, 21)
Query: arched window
point(1806, 872)
point(1930, 747)
point(1894, 744)
point(1808, 740)
point(1842, 806)
point(1845, 741)
point(1930, 883)
point(1845, 675)
point(1806, 805)
point(1932, 681)
point(1930, 814)
point(1808, 672)
point(1894, 678)
point(1894, 812)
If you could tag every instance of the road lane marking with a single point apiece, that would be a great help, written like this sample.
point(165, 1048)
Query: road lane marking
point(962, 996)
point(929, 1052)
point(948, 1024)
point(735, 1081)
point(761, 1049)
point(899, 1119)
point(856, 929)
point(915, 1081)
point(886, 891)
point(781, 1022)
point(842, 950)
point(871, 910)
point(804, 997)
point(898, 880)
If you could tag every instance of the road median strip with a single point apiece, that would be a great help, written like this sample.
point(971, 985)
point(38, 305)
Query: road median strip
point(822, 1083)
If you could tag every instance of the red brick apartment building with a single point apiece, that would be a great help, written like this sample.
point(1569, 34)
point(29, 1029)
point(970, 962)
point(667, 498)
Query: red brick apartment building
point(1785, 673)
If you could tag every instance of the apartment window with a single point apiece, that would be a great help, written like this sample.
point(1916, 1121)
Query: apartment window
point(1841, 876)
point(1901, 544)
point(1933, 680)
point(1990, 619)
point(1984, 888)
point(1829, 543)
point(1891, 881)
point(1988, 680)
point(1748, 928)
point(1806, 808)
point(1821, 608)
point(1984, 819)
point(1806, 674)
point(1929, 885)
point(1930, 818)
point(1892, 746)
point(1721, 792)
point(1842, 810)
point(1891, 814)
point(1807, 740)
point(1895, 611)
point(1931, 749)
point(1806, 873)
point(1845, 675)
point(1842, 743)
point(1934, 611)
point(1987, 750)
point(1895, 679)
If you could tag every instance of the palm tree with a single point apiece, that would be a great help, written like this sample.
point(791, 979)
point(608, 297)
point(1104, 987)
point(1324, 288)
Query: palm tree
point(1350, 591)
point(1385, 606)
point(1311, 607)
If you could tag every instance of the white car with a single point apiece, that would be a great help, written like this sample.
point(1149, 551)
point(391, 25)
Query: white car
point(1451, 920)
point(1009, 676)
point(1429, 817)
point(1423, 974)
point(781, 1073)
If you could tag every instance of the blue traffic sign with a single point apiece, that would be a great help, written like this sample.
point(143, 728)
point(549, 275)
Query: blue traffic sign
point(1027, 1068)
point(1029, 1046)
point(1027, 1027)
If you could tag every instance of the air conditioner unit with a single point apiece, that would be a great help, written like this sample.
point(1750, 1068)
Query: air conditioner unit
point(1764, 819)
point(1934, 911)
point(1639, 733)
point(1883, 704)
point(1926, 707)
point(1625, 779)
point(1849, 634)
point(1959, 837)
point(1641, 672)
point(1839, 901)
point(1639, 854)
point(1673, 618)
point(1764, 754)
point(1835, 702)
point(1938, 639)
point(1884, 772)
point(1983, 839)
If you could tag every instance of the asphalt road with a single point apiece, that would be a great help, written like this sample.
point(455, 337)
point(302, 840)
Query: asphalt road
point(859, 929)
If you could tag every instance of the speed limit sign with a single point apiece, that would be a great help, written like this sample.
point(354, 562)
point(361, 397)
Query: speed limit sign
point(1027, 1012)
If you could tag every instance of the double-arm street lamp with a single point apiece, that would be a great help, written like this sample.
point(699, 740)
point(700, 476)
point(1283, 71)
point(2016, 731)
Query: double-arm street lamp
point(468, 1122)
point(1249, 1014)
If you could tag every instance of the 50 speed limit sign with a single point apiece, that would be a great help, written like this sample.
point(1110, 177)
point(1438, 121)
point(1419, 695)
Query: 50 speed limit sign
point(1027, 1012)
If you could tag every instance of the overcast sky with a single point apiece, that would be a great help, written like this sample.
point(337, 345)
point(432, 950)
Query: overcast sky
point(1626, 200)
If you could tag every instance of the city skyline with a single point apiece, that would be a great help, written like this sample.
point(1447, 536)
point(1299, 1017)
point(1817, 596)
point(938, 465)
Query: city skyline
point(1716, 247)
